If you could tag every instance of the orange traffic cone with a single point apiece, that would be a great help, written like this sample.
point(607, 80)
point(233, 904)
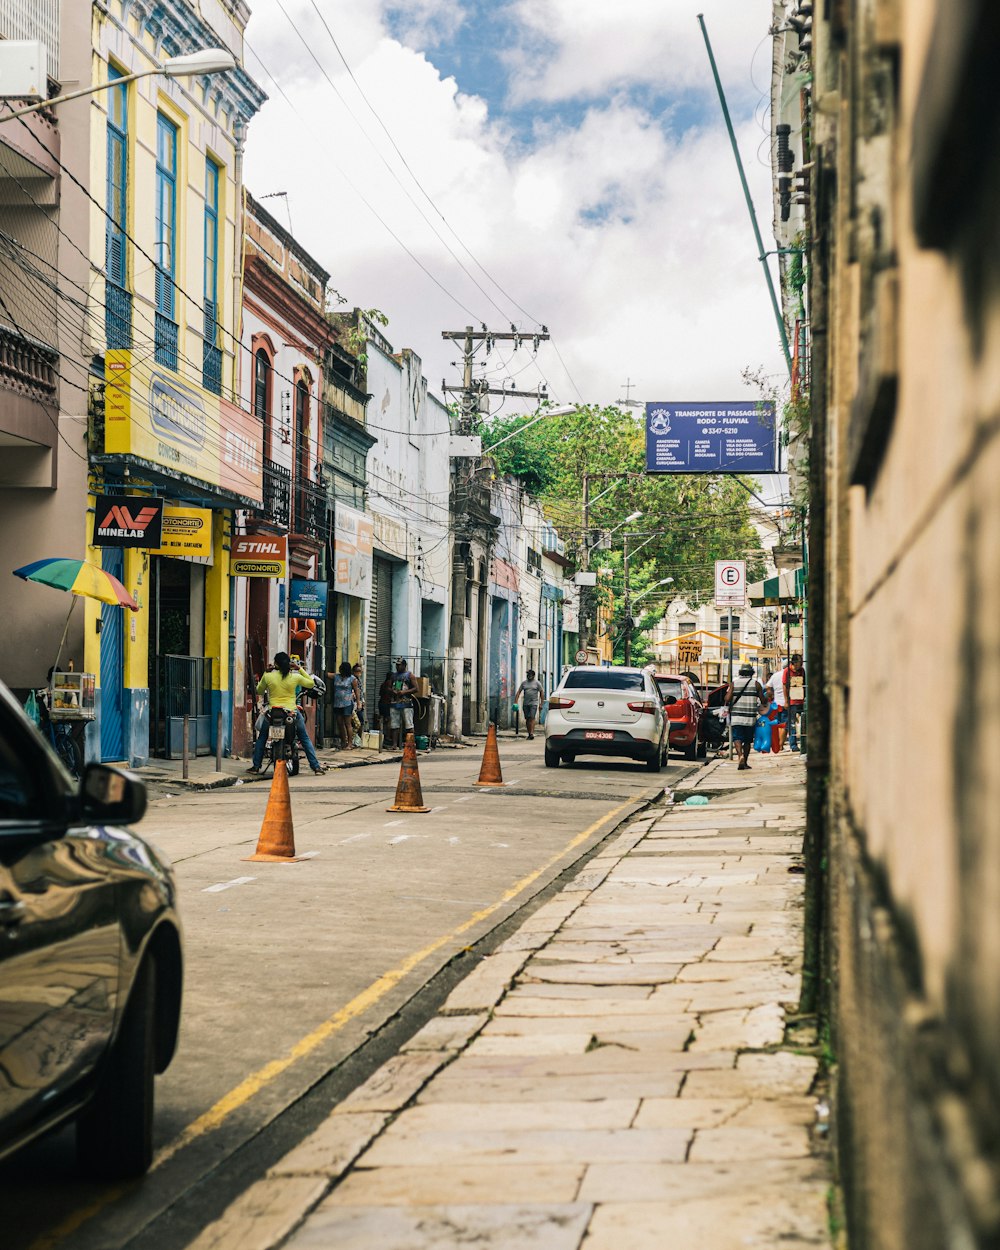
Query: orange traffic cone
point(490, 774)
point(409, 796)
point(276, 843)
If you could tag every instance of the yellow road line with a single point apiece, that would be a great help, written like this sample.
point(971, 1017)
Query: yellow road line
point(253, 1084)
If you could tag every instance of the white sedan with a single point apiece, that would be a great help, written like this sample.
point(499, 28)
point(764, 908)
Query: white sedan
point(606, 711)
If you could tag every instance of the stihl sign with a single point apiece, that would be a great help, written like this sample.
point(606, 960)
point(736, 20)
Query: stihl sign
point(127, 521)
point(259, 555)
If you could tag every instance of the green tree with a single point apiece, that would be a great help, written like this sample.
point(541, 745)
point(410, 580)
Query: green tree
point(689, 521)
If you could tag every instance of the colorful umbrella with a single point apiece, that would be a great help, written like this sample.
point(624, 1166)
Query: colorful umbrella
point(80, 577)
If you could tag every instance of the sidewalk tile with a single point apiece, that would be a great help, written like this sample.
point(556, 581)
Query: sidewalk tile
point(447, 1032)
point(505, 1227)
point(679, 1182)
point(553, 1088)
point(399, 1147)
point(602, 974)
point(473, 1116)
point(332, 1148)
point(395, 1083)
point(547, 1043)
point(263, 1215)
point(751, 1221)
point(461, 1183)
point(730, 1145)
point(486, 983)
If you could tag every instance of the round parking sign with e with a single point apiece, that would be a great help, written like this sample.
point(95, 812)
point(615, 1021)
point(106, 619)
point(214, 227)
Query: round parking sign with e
point(731, 575)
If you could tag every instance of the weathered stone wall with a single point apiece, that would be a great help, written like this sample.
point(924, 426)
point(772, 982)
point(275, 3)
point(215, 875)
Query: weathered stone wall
point(906, 199)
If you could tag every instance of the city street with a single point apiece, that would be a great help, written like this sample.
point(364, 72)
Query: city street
point(291, 968)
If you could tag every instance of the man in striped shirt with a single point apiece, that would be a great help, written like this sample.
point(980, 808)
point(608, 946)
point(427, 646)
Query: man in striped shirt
point(744, 697)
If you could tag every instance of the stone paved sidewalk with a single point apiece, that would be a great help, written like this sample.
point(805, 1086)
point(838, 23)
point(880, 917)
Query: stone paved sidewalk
point(616, 1076)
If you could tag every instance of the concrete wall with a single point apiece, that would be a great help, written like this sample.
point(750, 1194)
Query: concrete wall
point(906, 450)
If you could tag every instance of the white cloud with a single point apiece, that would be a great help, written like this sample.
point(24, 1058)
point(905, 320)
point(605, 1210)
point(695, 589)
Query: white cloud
point(584, 48)
point(631, 244)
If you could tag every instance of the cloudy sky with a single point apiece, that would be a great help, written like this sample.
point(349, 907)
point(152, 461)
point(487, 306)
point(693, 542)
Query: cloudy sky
point(529, 162)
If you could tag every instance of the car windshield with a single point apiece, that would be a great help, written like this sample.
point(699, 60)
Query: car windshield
point(671, 685)
point(602, 679)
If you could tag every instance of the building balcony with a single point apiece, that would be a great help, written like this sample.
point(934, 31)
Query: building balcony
point(312, 510)
point(29, 408)
point(276, 508)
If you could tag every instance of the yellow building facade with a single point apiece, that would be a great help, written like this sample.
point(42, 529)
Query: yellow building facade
point(165, 247)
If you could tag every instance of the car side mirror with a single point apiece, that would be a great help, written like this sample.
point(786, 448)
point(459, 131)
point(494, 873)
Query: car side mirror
point(112, 795)
point(669, 700)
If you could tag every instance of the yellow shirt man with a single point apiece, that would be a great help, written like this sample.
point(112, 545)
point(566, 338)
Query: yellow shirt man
point(281, 690)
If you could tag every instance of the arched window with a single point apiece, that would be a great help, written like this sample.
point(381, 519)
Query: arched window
point(263, 391)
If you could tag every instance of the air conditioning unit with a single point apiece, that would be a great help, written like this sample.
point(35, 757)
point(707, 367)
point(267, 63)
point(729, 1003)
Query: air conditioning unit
point(23, 69)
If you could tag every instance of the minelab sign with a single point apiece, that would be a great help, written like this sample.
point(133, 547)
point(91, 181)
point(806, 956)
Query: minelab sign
point(734, 437)
point(127, 521)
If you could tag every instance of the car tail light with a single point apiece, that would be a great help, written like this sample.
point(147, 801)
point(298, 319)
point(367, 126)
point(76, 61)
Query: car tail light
point(556, 702)
point(644, 705)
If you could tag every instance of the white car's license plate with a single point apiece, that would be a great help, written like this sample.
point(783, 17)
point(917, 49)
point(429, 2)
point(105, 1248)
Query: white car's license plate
point(599, 734)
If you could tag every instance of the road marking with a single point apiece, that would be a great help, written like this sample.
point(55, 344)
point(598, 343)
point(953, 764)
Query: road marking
point(400, 837)
point(465, 798)
point(225, 885)
point(515, 783)
point(454, 841)
point(503, 844)
point(391, 824)
point(355, 837)
point(437, 809)
point(308, 854)
point(241, 1094)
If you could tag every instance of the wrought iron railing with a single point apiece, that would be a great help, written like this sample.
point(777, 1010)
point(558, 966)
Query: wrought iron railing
point(27, 366)
point(166, 341)
point(276, 508)
point(312, 510)
point(118, 317)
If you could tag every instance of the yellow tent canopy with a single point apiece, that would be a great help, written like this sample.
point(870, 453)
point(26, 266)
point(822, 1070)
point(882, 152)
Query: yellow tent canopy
point(698, 634)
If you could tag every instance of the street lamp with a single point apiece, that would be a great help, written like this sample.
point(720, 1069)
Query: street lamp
point(664, 581)
point(562, 411)
point(204, 61)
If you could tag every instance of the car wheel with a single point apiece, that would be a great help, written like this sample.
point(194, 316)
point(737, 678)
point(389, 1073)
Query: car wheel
point(114, 1135)
point(655, 762)
point(551, 758)
point(691, 752)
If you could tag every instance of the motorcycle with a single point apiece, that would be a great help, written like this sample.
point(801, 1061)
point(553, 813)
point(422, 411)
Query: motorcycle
point(282, 739)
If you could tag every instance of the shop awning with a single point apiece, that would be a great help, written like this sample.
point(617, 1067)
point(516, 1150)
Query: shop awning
point(788, 587)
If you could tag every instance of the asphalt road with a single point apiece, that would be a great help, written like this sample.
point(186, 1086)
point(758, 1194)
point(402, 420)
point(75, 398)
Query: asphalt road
point(302, 978)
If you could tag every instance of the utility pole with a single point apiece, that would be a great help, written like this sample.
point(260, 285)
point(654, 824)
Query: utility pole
point(474, 390)
point(472, 521)
point(628, 605)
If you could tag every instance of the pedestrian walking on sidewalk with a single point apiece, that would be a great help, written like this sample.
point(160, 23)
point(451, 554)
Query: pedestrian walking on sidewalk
point(532, 692)
point(744, 697)
point(343, 704)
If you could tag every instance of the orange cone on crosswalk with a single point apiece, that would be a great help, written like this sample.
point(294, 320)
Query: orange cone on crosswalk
point(489, 773)
point(409, 796)
point(276, 843)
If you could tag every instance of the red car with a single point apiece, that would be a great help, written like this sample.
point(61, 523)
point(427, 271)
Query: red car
point(684, 714)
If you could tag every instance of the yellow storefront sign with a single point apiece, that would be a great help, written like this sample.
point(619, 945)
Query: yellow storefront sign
point(186, 532)
point(153, 414)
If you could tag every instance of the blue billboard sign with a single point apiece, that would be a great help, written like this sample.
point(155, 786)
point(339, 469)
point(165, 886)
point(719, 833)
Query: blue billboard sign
point(307, 599)
point(736, 437)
